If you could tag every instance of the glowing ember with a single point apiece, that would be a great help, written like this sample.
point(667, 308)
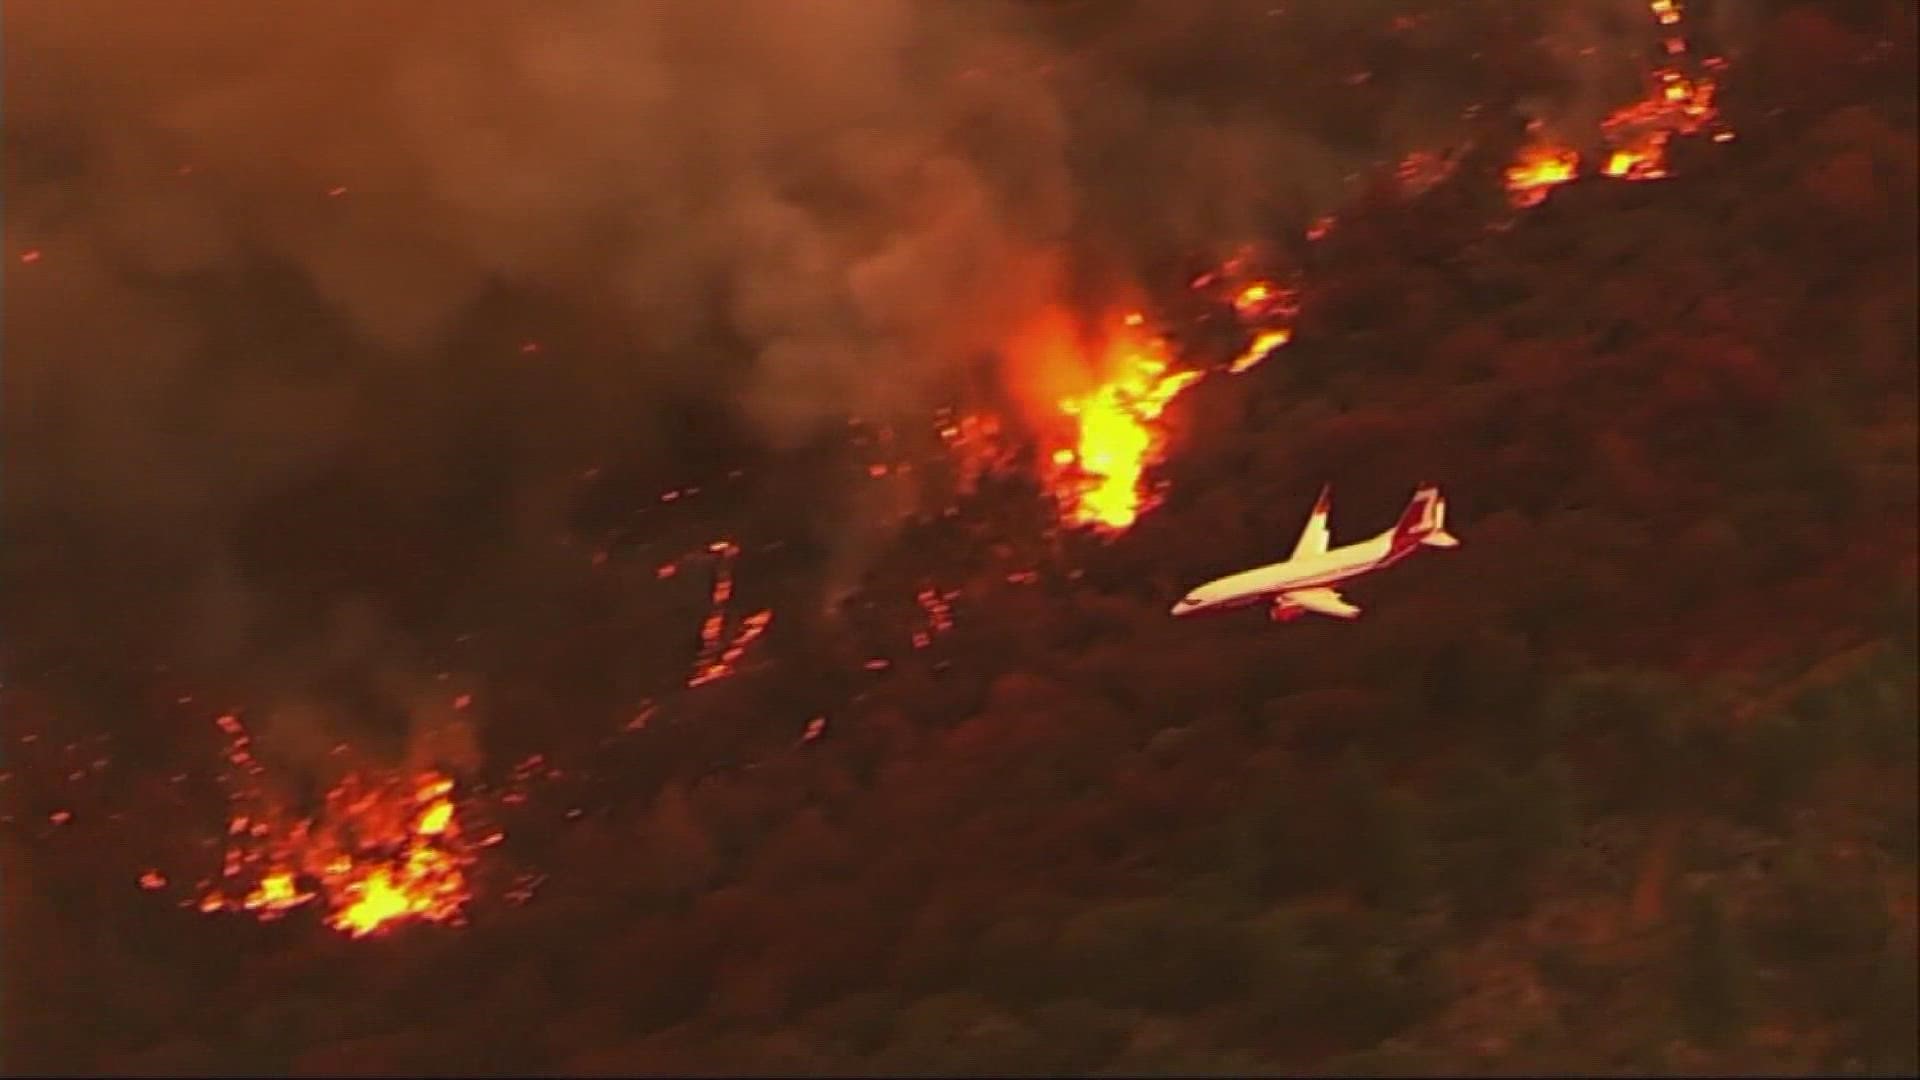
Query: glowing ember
point(1421, 171)
point(381, 850)
point(152, 880)
point(716, 661)
point(938, 606)
point(974, 444)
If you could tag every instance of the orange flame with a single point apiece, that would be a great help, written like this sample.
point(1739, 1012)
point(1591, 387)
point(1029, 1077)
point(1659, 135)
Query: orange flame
point(1542, 167)
point(1639, 133)
point(382, 850)
point(1262, 306)
point(1099, 478)
point(1263, 345)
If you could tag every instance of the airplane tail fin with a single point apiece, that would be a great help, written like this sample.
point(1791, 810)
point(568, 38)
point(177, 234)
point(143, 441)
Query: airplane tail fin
point(1424, 521)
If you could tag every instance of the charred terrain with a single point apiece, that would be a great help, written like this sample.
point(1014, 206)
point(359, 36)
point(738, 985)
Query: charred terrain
point(440, 639)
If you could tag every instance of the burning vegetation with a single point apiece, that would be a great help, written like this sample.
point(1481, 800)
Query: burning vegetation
point(1044, 829)
point(382, 849)
point(1679, 103)
point(1100, 476)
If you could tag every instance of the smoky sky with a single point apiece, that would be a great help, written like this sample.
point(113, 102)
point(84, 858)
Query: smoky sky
point(413, 244)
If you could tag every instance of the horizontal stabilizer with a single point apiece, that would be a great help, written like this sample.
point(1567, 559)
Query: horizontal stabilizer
point(1440, 538)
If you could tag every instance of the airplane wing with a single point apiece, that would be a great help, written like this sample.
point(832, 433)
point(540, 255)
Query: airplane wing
point(1313, 538)
point(1323, 601)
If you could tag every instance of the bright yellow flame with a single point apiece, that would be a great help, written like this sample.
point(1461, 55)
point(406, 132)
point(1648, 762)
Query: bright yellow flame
point(1118, 438)
point(1253, 297)
point(1263, 344)
point(382, 850)
point(434, 819)
point(276, 890)
point(1540, 168)
point(376, 900)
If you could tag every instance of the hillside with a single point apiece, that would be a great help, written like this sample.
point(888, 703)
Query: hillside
point(1625, 784)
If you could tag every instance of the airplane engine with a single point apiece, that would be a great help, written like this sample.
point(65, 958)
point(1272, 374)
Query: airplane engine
point(1281, 611)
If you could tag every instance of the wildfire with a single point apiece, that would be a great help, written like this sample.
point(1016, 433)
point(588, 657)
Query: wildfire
point(383, 849)
point(1099, 478)
point(1637, 134)
point(1267, 309)
point(1110, 384)
point(1542, 167)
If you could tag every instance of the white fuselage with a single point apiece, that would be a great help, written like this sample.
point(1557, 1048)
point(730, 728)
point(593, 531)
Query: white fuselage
point(1325, 569)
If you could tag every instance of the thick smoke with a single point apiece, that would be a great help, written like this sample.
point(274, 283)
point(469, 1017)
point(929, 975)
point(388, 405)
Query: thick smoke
point(289, 285)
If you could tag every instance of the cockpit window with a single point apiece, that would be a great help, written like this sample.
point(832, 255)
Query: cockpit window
point(1190, 599)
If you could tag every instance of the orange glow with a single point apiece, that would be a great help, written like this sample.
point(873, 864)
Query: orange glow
point(715, 660)
point(1095, 391)
point(1640, 163)
point(938, 607)
point(275, 894)
point(1639, 132)
point(434, 819)
point(1677, 104)
point(1100, 477)
point(382, 849)
point(1263, 344)
point(973, 442)
point(1253, 298)
point(1540, 168)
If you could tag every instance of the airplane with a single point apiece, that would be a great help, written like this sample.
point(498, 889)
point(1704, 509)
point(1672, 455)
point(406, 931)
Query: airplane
point(1306, 580)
